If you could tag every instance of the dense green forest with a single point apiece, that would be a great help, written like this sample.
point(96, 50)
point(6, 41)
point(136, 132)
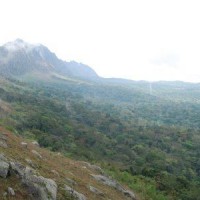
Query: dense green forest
point(151, 142)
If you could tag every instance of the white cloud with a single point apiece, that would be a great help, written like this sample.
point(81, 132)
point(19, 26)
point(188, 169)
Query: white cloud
point(118, 38)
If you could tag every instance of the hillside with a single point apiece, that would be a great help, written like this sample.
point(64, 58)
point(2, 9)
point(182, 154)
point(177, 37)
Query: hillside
point(148, 140)
point(29, 163)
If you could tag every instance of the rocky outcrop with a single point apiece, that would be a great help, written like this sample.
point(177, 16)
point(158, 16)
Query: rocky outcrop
point(24, 144)
point(92, 167)
point(96, 191)
point(3, 141)
point(33, 165)
point(112, 183)
point(36, 154)
point(35, 143)
point(55, 172)
point(73, 193)
point(39, 188)
point(4, 166)
point(70, 182)
point(11, 192)
point(3, 144)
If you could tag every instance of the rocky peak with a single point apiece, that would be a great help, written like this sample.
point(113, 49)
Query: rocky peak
point(19, 44)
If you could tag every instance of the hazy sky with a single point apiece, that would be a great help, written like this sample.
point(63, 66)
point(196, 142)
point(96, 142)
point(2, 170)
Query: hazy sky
point(135, 39)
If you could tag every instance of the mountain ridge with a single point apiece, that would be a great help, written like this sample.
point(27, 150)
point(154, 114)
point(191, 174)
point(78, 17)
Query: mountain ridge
point(19, 58)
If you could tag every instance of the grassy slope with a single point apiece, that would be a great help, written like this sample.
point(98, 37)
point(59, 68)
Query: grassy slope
point(65, 167)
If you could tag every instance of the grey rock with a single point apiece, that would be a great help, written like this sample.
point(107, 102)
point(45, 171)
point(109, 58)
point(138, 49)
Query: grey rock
point(3, 144)
point(97, 168)
point(36, 154)
point(40, 188)
point(35, 143)
point(96, 191)
point(55, 172)
point(3, 137)
point(129, 194)
point(33, 165)
point(93, 167)
point(112, 183)
point(29, 171)
point(17, 168)
point(74, 193)
point(24, 144)
point(3, 158)
point(4, 168)
point(70, 182)
point(11, 191)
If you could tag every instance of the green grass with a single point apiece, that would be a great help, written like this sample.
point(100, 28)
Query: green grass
point(144, 187)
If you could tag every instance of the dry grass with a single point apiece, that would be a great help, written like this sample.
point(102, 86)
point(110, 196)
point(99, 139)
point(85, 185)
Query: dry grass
point(65, 167)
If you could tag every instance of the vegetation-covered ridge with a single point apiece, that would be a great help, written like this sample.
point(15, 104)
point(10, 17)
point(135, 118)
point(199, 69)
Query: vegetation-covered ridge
point(141, 139)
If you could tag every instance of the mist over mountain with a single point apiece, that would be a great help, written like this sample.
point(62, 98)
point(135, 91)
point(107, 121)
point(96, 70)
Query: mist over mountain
point(21, 59)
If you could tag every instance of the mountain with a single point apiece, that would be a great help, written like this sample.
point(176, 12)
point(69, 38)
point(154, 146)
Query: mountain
point(20, 59)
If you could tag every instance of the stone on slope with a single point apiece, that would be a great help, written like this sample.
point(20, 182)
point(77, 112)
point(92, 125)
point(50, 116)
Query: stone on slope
point(24, 144)
point(112, 183)
point(96, 191)
point(11, 192)
point(93, 167)
point(30, 162)
point(71, 182)
point(74, 193)
point(40, 188)
point(17, 168)
point(3, 144)
point(35, 143)
point(4, 168)
point(36, 154)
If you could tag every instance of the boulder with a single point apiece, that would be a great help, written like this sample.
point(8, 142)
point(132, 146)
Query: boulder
point(40, 188)
point(3, 158)
point(24, 144)
point(96, 191)
point(3, 144)
point(33, 165)
point(35, 143)
point(70, 182)
point(3, 137)
point(4, 168)
point(129, 194)
point(36, 154)
point(55, 172)
point(74, 193)
point(93, 167)
point(112, 183)
point(11, 192)
point(17, 168)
